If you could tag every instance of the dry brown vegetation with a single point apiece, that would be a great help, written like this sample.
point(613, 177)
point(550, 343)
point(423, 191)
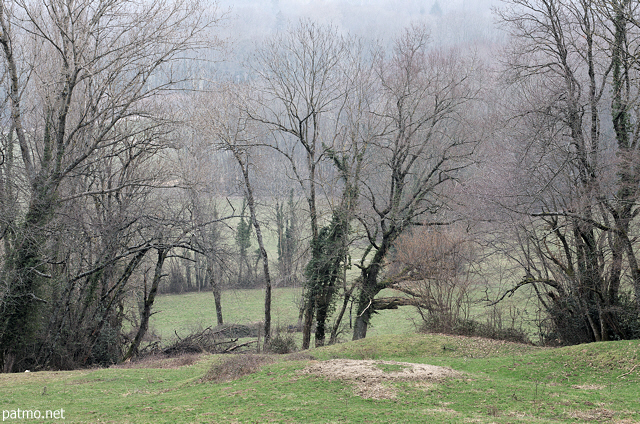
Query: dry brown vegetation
point(161, 361)
point(232, 367)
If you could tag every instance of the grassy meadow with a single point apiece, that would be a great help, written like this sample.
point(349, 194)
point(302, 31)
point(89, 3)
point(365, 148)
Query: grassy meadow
point(183, 313)
point(494, 382)
point(497, 382)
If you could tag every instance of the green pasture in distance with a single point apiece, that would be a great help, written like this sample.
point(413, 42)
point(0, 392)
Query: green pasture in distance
point(191, 311)
point(188, 312)
point(196, 310)
point(496, 382)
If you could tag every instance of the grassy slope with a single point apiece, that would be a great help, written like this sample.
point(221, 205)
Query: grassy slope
point(503, 383)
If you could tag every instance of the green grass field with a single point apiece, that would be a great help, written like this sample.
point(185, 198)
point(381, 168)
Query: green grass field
point(497, 383)
point(186, 312)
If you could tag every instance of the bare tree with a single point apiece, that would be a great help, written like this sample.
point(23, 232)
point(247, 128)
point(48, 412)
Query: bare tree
point(300, 91)
point(579, 147)
point(83, 77)
point(418, 154)
point(222, 118)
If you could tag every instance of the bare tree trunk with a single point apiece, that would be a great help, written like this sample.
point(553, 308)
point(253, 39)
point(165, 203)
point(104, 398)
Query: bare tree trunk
point(307, 323)
point(263, 252)
point(217, 292)
point(345, 304)
point(187, 271)
point(310, 304)
point(364, 316)
point(148, 303)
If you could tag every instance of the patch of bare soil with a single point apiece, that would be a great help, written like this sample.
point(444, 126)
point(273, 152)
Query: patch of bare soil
point(372, 379)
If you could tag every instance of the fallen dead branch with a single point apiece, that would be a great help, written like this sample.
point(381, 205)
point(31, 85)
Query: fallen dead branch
point(209, 340)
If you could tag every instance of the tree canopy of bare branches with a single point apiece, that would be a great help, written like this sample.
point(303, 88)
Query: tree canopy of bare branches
point(83, 79)
point(423, 146)
point(573, 69)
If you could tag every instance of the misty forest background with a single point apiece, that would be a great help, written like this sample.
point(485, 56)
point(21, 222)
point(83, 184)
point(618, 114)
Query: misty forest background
point(442, 156)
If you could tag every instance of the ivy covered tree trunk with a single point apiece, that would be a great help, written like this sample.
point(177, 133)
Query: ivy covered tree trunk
point(310, 304)
point(325, 268)
point(368, 291)
point(24, 274)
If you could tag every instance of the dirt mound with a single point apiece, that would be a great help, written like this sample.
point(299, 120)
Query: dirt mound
point(372, 378)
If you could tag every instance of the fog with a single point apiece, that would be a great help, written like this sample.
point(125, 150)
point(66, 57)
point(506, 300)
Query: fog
point(451, 23)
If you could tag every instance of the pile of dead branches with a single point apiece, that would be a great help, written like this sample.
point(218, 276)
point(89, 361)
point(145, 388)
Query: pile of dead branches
point(210, 340)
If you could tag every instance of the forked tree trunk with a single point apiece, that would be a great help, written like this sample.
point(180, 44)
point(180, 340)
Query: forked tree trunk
point(370, 287)
point(148, 304)
point(343, 309)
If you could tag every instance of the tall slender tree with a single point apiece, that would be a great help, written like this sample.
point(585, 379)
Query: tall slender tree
point(299, 83)
point(222, 118)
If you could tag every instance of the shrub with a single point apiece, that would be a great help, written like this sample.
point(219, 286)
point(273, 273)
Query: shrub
point(627, 312)
point(435, 266)
point(281, 343)
point(232, 367)
point(473, 328)
point(564, 326)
